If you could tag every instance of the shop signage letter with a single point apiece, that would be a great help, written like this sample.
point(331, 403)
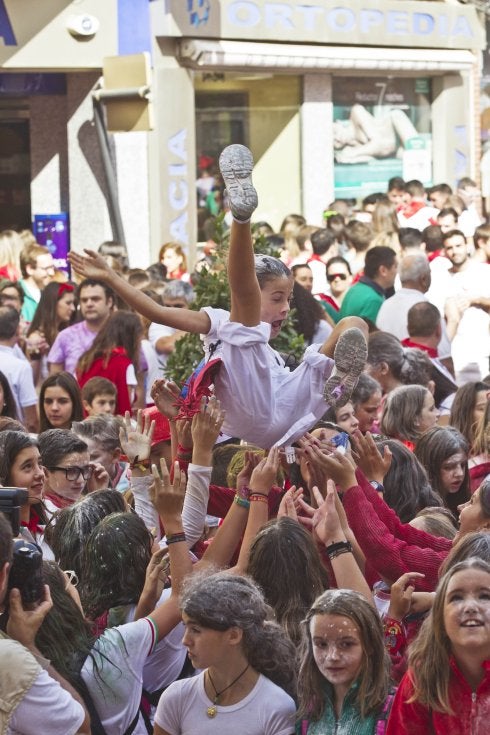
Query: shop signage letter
point(178, 189)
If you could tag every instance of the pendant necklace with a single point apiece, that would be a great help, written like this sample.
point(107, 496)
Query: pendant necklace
point(213, 711)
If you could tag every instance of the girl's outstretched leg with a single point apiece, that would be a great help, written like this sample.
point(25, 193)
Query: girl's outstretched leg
point(236, 164)
point(348, 347)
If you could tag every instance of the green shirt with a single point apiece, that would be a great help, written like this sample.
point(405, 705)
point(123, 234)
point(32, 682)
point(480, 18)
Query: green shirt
point(361, 300)
point(350, 721)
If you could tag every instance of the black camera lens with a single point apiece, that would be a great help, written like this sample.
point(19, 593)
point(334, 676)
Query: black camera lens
point(26, 573)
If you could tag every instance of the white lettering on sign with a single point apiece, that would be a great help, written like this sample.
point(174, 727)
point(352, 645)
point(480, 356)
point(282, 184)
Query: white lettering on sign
point(178, 187)
point(289, 16)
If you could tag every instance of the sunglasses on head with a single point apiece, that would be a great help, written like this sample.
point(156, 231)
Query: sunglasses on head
point(332, 276)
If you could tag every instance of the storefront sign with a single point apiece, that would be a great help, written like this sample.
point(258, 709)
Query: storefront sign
point(352, 22)
point(178, 187)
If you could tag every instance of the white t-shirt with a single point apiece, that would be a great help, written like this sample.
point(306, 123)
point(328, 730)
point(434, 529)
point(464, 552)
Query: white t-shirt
point(116, 684)
point(46, 707)
point(267, 710)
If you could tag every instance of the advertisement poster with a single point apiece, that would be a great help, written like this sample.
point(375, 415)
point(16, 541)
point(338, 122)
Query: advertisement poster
point(381, 129)
point(52, 231)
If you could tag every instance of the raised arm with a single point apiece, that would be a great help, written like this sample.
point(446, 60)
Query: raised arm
point(92, 265)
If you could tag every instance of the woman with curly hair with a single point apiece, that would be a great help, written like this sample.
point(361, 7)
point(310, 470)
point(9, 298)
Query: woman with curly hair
point(247, 664)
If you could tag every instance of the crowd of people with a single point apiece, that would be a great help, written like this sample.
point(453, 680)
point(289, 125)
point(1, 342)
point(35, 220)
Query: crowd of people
point(267, 549)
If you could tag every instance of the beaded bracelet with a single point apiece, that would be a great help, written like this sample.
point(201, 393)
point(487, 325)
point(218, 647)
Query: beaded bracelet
point(259, 497)
point(341, 547)
point(256, 492)
point(140, 464)
point(175, 538)
point(242, 502)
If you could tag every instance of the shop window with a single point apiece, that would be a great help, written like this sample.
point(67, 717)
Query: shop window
point(15, 175)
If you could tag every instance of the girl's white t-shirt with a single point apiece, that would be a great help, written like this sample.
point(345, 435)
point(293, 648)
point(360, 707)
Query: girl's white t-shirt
point(267, 710)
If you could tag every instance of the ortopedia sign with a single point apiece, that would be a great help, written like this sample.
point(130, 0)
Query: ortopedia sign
point(360, 22)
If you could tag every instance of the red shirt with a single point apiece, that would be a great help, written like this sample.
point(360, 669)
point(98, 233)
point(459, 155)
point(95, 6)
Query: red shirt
point(115, 371)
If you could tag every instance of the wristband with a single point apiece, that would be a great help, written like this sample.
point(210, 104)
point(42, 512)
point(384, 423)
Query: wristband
point(259, 497)
point(242, 502)
point(184, 451)
point(256, 492)
point(377, 486)
point(341, 547)
point(140, 464)
point(244, 492)
point(175, 538)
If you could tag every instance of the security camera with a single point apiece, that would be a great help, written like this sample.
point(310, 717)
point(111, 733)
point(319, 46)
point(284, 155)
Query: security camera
point(82, 25)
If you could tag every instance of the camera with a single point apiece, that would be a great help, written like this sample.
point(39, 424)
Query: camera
point(26, 573)
point(11, 500)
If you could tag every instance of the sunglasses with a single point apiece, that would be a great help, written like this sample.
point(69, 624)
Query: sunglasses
point(332, 276)
point(73, 473)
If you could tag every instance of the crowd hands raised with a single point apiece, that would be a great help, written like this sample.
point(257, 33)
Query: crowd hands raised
point(328, 573)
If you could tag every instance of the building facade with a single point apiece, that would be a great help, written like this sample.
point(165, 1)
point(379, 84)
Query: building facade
point(334, 98)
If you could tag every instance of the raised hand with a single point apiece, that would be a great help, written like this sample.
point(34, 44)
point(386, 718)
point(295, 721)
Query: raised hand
point(369, 459)
point(136, 441)
point(326, 523)
point(289, 505)
point(99, 479)
point(168, 498)
point(252, 460)
point(165, 395)
point(90, 265)
point(265, 474)
point(206, 424)
point(333, 464)
point(401, 595)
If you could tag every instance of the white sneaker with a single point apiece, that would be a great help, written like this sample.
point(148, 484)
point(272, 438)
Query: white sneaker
point(350, 358)
point(236, 165)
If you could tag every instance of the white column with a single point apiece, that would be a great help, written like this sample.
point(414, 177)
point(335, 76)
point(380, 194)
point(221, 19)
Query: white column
point(316, 146)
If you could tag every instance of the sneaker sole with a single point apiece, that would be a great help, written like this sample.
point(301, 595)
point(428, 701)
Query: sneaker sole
point(350, 358)
point(236, 165)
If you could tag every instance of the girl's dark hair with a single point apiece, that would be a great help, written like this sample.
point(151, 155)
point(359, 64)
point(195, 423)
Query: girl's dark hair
point(68, 535)
point(67, 382)
point(461, 416)
point(281, 550)
point(267, 268)
point(45, 318)
point(307, 312)
point(114, 561)
point(11, 443)
point(374, 674)
point(435, 447)
point(122, 329)
point(54, 444)
point(406, 486)
point(9, 406)
point(224, 600)
point(64, 635)
point(365, 388)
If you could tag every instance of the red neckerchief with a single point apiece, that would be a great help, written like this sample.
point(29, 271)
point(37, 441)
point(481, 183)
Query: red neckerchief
point(412, 208)
point(409, 343)
point(58, 501)
point(33, 523)
point(329, 300)
point(315, 258)
point(434, 255)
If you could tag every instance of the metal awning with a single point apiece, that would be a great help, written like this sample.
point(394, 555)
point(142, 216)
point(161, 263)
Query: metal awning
point(292, 58)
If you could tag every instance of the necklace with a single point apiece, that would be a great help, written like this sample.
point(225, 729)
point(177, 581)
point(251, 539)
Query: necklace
point(212, 711)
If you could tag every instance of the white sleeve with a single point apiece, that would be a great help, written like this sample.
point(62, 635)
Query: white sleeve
point(195, 502)
point(156, 331)
point(27, 390)
point(131, 375)
point(140, 487)
point(168, 715)
point(48, 703)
